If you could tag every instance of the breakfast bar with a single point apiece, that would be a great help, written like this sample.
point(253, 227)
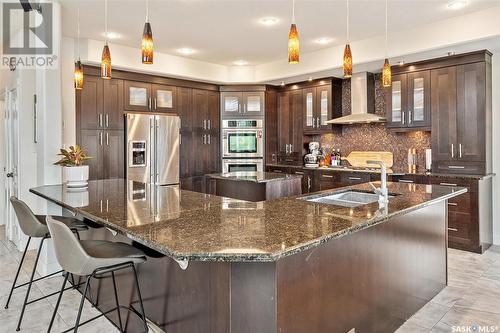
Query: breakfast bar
point(295, 264)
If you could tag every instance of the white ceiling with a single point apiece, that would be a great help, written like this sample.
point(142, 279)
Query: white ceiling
point(223, 31)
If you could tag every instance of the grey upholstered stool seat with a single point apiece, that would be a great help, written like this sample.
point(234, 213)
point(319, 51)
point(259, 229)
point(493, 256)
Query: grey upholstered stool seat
point(34, 226)
point(93, 258)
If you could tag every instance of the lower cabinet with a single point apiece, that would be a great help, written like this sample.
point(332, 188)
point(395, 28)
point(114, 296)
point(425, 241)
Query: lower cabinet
point(107, 149)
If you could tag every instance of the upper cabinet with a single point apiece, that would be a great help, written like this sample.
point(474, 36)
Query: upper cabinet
point(317, 104)
point(242, 104)
point(141, 96)
point(408, 101)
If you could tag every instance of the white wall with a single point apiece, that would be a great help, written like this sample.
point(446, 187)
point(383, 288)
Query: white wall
point(2, 154)
point(496, 145)
point(67, 92)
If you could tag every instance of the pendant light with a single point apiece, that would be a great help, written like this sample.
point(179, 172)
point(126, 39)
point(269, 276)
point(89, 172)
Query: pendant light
point(386, 70)
point(78, 72)
point(293, 40)
point(147, 40)
point(347, 62)
point(106, 55)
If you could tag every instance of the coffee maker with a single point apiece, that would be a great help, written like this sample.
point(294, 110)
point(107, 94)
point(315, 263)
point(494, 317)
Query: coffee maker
point(312, 159)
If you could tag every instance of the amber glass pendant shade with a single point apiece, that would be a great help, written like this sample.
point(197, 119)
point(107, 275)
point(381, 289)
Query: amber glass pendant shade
point(293, 45)
point(78, 75)
point(386, 74)
point(106, 63)
point(347, 62)
point(147, 44)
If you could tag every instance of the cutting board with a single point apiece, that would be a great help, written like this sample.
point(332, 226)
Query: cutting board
point(358, 158)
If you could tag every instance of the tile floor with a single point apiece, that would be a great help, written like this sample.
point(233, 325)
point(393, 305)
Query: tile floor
point(471, 299)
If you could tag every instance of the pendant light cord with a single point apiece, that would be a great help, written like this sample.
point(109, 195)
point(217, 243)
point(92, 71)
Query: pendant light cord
point(147, 10)
point(293, 11)
point(78, 31)
point(347, 30)
point(386, 51)
point(106, 20)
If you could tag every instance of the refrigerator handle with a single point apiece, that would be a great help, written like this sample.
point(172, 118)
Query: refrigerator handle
point(151, 147)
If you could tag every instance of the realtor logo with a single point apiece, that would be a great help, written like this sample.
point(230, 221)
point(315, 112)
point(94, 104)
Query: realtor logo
point(27, 36)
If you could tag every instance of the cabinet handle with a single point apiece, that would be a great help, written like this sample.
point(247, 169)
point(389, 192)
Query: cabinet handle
point(318, 122)
point(308, 182)
point(452, 204)
point(410, 115)
point(149, 102)
point(447, 184)
point(402, 117)
point(327, 176)
point(299, 173)
point(107, 120)
point(204, 139)
point(209, 124)
point(405, 181)
point(291, 148)
point(452, 229)
point(456, 167)
point(278, 171)
point(209, 136)
point(204, 124)
point(244, 108)
point(100, 138)
point(314, 122)
point(99, 119)
point(452, 150)
point(107, 139)
point(286, 148)
point(460, 150)
point(155, 104)
point(354, 178)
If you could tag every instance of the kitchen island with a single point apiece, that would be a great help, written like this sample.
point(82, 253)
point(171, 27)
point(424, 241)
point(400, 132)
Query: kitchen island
point(287, 265)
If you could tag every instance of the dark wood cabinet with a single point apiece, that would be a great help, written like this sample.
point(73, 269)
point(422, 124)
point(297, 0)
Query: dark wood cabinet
point(408, 101)
point(184, 107)
point(89, 103)
point(113, 104)
point(290, 122)
point(91, 142)
point(271, 123)
point(461, 119)
point(106, 147)
point(242, 103)
point(317, 109)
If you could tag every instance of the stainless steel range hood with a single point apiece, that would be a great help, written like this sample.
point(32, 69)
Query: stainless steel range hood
point(362, 102)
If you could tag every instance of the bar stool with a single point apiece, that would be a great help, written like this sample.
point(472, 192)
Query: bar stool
point(93, 258)
point(34, 226)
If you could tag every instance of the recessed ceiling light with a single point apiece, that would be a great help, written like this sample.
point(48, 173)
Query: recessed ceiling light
point(310, 78)
point(456, 4)
point(112, 35)
point(240, 63)
point(324, 40)
point(185, 51)
point(401, 62)
point(268, 21)
point(282, 83)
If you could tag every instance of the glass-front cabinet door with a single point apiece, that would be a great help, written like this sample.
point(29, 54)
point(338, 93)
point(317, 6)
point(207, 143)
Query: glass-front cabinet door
point(163, 98)
point(396, 101)
point(137, 96)
point(323, 107)
point(231, 104)
point(309, 114)
point(253, 103)
point(419, 102)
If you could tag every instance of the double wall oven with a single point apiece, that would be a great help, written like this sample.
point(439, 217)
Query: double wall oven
point(242, 145)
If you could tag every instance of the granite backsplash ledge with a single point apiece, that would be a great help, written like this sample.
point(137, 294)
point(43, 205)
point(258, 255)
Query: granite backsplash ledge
point(374, 137)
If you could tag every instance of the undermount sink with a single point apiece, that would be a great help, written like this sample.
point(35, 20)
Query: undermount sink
point(345, 199)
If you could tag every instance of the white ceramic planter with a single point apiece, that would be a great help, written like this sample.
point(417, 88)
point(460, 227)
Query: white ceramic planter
point(76, 176)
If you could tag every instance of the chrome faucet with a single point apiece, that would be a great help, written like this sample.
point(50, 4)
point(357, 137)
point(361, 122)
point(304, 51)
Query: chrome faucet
point(382, 191)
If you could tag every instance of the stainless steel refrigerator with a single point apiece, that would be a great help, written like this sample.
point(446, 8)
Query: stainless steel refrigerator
point(153, 148)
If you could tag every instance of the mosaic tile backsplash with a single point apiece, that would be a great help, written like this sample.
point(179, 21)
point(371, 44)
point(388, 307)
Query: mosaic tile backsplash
point(374, 137)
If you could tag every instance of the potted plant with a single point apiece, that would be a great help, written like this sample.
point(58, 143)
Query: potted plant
point(75, 174)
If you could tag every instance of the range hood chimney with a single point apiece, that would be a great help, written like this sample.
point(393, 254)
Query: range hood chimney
point(362, 101)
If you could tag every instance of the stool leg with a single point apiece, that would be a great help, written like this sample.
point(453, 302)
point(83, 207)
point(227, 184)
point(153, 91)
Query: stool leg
point(143, 314)
point(58, 301)
point(29, 285)
point(80, 309)
point(17, 273)
point(117, 302)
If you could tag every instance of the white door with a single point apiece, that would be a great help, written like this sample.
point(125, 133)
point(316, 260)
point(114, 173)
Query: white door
point(11, 162)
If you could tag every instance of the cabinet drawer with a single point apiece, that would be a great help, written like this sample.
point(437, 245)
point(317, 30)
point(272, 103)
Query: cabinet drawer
point(470, 184)
point(278, 169)
point(460, 203)
point(354, 178)
point(459, 167)
point(328, 180)
point(460, 227)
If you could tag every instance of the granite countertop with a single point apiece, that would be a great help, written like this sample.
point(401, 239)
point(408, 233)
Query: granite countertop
point(194, 226)
point(393, 171)
point(255, 177)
